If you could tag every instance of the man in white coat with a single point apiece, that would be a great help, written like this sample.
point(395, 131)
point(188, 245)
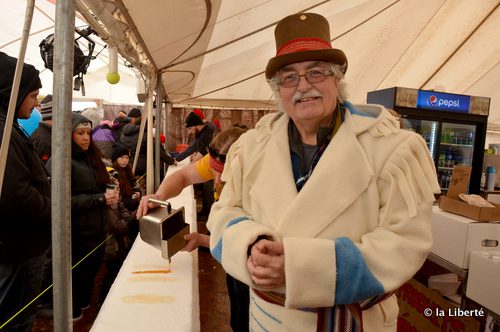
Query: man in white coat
point(327, 206)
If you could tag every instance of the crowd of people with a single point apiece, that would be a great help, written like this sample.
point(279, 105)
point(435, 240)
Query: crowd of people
point(105, 195)
point(321, 212)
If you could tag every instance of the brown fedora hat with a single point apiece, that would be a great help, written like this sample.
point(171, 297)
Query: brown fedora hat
point(303, 37)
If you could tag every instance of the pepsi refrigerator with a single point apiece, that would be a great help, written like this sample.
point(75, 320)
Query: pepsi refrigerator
point(453, 126)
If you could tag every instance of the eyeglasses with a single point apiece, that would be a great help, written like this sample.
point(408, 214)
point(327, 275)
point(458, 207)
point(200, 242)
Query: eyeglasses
point(216, 155)
point(312, 76)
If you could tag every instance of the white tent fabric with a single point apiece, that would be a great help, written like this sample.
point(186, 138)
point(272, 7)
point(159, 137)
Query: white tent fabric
point(214, 52)
point(96, 86)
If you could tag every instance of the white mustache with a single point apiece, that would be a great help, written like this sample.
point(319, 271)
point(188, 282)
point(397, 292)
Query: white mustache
point(309, 94)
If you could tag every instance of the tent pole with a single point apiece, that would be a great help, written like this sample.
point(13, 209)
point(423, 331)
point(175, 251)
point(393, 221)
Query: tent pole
point(4, 149)
point(168, 108)
point(149, 140)
point(61, 165)
point(159, 109)
point(141, 134)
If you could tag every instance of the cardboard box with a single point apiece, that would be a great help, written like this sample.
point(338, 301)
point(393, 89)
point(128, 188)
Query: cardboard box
point(451, 202)
point(483, 285)
point(423, 309)
point(470, 211)
point(455, 237)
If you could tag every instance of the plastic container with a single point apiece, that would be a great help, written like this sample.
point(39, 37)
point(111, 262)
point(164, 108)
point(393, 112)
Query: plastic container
point(110, 187)
point(447, 284)
point(490, 178)
point(181, 147)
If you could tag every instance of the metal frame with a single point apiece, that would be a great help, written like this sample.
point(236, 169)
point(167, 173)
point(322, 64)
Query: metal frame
point(61, 165)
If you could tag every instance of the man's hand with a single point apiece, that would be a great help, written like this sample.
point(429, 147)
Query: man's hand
point(195, 240)
point(112, 197)
point(145, 205)
point(266, 264)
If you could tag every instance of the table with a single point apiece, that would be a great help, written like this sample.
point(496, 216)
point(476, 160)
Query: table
point(145, 296)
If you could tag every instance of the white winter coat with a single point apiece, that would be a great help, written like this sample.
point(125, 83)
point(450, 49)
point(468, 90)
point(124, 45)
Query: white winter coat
point(360, 227)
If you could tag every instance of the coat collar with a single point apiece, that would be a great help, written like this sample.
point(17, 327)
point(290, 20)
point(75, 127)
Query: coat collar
point(342, 174)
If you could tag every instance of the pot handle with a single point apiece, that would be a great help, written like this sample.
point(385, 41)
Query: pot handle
point(161, 203)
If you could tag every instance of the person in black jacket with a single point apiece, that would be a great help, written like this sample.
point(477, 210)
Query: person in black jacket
point(89, 200)
point(129, 138)
point(203, 133)
point(24, 204)
point(130, 194)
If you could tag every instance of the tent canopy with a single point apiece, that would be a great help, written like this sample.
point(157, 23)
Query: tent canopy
point(214, 52)
point(96, 87)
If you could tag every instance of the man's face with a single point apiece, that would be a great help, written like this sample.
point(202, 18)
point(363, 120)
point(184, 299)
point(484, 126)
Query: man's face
point(309, 102)
point(28, 104)
point(193, 130)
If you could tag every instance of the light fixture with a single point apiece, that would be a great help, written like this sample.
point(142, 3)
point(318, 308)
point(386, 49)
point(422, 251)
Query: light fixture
point(80, 60)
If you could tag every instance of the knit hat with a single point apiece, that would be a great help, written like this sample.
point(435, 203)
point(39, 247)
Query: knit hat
point(119, 122)
point(199, 112)
point(217, 123)
point(303, 37)
point(30, 81)
point(78, 120)
point(94, 114)
point(119, 150)
point(46, 109)
point(193, 120)
point(134, 113)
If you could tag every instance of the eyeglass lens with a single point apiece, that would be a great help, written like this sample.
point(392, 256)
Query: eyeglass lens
point(312, 76)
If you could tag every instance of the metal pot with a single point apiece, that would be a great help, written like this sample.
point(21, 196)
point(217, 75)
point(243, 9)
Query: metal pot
point(164, 228)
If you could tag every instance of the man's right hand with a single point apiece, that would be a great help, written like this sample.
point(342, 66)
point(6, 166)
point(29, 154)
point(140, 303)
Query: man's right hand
point(145, 205)
point(266, 264)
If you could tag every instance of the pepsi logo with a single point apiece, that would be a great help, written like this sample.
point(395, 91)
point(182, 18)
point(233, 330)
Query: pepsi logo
point(443, 102)
point(433, 100)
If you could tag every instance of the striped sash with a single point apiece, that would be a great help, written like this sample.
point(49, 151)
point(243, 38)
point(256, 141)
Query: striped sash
point(339, 318)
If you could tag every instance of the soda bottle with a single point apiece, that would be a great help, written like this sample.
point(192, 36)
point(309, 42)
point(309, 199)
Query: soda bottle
point(452, 136)
point(441, 159)
point(444, 136)
point(470, 138)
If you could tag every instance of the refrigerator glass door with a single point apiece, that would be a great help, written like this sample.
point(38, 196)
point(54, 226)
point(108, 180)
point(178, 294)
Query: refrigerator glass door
point(428, 130)
point(456, 148)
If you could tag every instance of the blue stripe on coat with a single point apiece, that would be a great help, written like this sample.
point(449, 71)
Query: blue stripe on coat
point(265, 312)
point(354, 110)
point(252, 316)
point(256, 321)
point(355, 281)
point(217, 250)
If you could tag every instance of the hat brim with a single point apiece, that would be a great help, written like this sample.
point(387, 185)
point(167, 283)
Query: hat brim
point(331, 55)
